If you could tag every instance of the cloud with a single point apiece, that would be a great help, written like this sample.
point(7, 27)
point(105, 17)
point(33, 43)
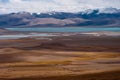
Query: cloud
point(8, 6)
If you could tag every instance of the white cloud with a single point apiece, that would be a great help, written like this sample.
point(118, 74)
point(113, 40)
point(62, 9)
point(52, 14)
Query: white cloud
point(7, 6)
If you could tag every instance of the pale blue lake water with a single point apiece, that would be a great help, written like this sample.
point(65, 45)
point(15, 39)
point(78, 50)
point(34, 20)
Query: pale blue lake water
point(65, 29)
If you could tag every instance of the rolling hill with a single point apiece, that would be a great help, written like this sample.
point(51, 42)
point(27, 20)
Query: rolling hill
point(108, 17)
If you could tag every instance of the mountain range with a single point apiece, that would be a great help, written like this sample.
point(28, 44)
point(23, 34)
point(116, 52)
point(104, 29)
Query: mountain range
point(108, 17)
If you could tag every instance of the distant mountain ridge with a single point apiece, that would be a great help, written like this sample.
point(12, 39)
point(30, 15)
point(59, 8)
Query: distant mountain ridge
point(108, 17)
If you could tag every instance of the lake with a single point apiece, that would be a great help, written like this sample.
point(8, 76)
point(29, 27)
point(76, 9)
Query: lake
point(64, 29)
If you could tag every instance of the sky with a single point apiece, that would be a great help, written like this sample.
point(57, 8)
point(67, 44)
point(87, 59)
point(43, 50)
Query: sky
point(38, 6)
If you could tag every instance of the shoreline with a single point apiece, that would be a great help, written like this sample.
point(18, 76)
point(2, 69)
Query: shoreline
point(18, 35)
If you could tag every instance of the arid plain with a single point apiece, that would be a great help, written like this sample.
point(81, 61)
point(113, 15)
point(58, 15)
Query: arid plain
point(70, 57)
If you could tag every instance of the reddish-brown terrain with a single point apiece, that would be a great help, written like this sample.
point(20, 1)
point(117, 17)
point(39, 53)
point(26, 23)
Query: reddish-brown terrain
point(77, 57)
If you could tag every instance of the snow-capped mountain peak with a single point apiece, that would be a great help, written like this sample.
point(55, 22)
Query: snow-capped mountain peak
point(101, 10)
point(95, 17)
point(109, 10)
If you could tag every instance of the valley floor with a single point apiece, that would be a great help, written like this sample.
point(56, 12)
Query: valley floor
point(74, 57)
